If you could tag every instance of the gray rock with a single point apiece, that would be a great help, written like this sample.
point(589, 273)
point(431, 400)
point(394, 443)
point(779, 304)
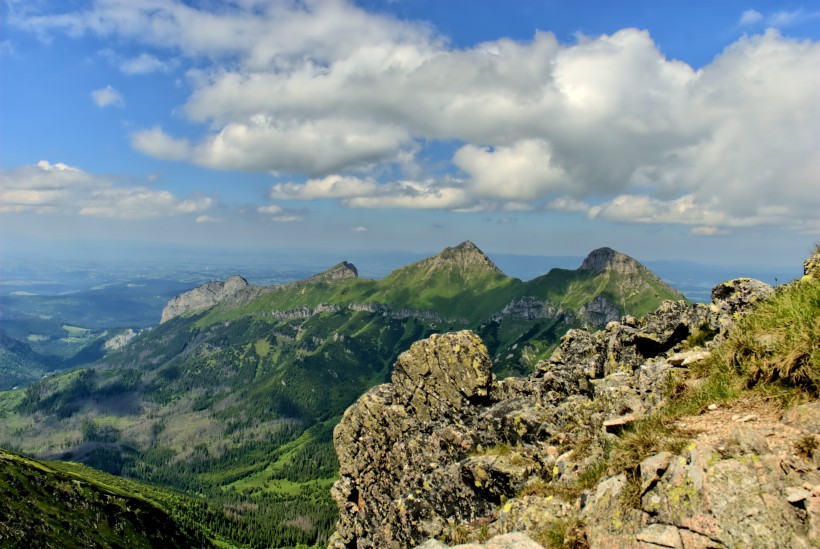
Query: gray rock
point(663, 535)
point(400, 447)
point(805, 417)
point(203, 297)
point(733, 298)
point(811, 267)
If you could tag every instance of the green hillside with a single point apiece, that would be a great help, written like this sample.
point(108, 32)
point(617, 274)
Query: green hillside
point(65, 505)
point(236, 403)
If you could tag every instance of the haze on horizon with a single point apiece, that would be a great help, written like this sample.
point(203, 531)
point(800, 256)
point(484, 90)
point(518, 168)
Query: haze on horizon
point(664, 130)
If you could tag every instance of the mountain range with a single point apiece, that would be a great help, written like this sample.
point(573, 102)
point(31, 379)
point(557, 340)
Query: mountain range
point(233, 397)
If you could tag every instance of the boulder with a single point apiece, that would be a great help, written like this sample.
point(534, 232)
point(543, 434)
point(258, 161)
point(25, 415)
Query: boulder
point(733, 298)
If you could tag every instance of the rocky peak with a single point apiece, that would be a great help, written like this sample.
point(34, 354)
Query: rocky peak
point(607, 259)
point(202, 297)
point(465, 256)
point(341, 271)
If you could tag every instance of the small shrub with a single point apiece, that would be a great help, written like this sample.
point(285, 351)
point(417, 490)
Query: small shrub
point(806, 446)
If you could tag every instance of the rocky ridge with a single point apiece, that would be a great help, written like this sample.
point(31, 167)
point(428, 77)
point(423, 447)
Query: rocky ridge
point(447, 452)
point(235, 288)
point(428, 290)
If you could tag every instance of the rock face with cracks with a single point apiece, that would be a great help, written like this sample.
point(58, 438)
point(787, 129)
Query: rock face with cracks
point(446, 454)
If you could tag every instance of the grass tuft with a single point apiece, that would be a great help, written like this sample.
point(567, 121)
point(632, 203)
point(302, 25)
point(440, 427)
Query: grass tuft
point(562, 534)
point(647, 437)
point(779, 343)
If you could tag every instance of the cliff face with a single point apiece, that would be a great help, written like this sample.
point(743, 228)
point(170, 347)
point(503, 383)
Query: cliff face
point(447, 452)
point(202, 297)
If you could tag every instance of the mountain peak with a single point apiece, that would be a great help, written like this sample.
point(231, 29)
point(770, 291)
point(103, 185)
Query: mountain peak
point(341, 271)
point(607, 259)
point(465, 255)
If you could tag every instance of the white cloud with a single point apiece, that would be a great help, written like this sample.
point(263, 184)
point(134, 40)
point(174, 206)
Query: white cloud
point(606, 125)
point(786, 18)
point(750, 17)
point(779, 19)
point(523, 171)
point(155, 142)
point(705, 230)
point(143, 64)
point(280, 214)
point(359, 229)
point(107, 97)
point(426, 195)
point(287, 218)
point(332, 186)
point(59, 188)
point(207, 219)
point(271, 209)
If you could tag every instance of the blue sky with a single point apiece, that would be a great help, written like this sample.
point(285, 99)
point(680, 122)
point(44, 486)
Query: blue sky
point(664, 129)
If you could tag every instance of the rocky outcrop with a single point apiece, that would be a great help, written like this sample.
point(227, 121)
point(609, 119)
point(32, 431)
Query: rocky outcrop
point(528, 308)
point(446, 449)
point(811, 267)
point(402, 441)
point(607, 259)
point(599, 311)
point(465, 256)
point(117, 341)
point(207, 295)
point(734, 296)
point(342, 271)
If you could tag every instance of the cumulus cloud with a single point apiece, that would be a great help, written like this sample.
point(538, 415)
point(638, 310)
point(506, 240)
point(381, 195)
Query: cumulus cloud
point(333, 186)
point(60, 188)
point(107, 97)
point(606, 126)
point(155, 142)
point(207, 219)
point(359, 229)
point(523, 171)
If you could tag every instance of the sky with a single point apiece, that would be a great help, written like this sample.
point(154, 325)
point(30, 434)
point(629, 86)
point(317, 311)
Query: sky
point(664, 129)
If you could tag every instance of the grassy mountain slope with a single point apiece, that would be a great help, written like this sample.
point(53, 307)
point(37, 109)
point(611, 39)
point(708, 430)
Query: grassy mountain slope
point(59, 505)
point(237, 402)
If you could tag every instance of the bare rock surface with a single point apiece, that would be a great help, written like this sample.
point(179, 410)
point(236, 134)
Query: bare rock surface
point(445, 453)
point(202, 297)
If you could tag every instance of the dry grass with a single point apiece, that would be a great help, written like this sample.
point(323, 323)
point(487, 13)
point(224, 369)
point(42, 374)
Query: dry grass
point(562, 534)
